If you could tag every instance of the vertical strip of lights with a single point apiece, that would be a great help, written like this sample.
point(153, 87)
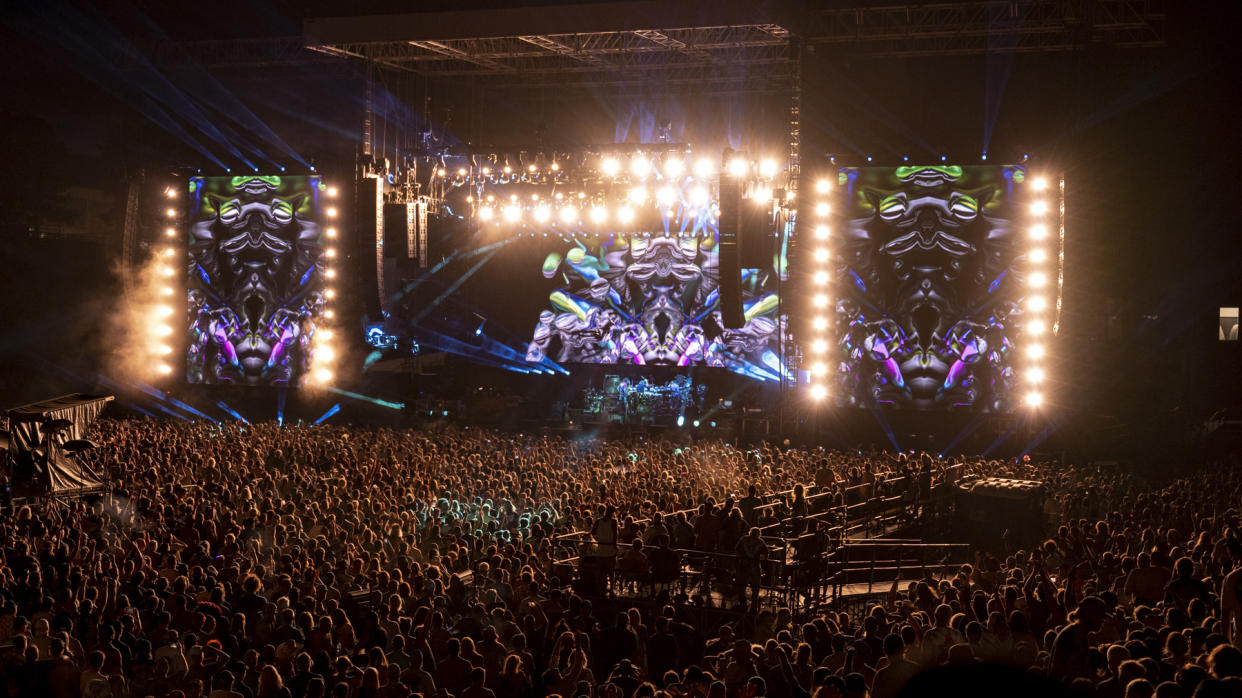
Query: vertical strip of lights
point(1035, 297)
point(323, 351)
point(167, 255)
point(819, 209)
point(1056, 322)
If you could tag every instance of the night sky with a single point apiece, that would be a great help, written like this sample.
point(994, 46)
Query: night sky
point(1148, 140)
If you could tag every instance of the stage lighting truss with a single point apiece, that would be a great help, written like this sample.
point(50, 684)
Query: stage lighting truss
point(817, 260)
point(324, 347)
point(601, 193)
point(1043, 273)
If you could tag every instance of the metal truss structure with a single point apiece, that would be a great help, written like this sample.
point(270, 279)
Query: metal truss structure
point(992, 26)
point(749, 48)
point(752, 58)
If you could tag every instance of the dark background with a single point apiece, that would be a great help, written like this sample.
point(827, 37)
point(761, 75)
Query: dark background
point(1147, 139)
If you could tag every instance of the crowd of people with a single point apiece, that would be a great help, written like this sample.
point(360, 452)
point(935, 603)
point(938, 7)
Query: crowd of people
point(256, 561)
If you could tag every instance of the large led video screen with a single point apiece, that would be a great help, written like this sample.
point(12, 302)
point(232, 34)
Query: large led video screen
point(544, 298)
point(931, 281)
point(256, 279)
point(653, 299)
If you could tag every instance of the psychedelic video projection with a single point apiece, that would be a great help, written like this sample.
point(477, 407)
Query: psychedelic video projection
point(653, 299)
point(545, 298)
point(929, 287)
point(255, 284)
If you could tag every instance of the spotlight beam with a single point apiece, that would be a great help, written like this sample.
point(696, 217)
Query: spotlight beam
point(331, 411)
point(365, 398)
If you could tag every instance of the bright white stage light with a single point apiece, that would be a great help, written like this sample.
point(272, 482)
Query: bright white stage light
point(821, 255)
point(819, 368)
point(625, 215)
point(171, 192)
point(531, 167)
point(599, 214)
point(163, 311)
point(162, 330)
point(1036, 327)
point(767, 168)
point(1036, 303)
point(163, 350)
point(1035, 375)
point(441, 172)
point(1039, 183)
point(1039, 231)
point(703, 168)
point(166, 290)
point(823, 185)
point(819, 300)
point(763, 195)
point(513, 214)
point(166, 270)
point(331, 232)
point(819, 392)
point(1034, 399)
point(611, 167)
point(461, 172)
point(666, 196)
point(1038, 255)
point(674, 167)
point(330, 252)
point(164, 369)
point(822, 208)
point(486, 213)
point(569, 215)
point(699, 196)
point(820, 323)
point(1037, 280)
point(1039, 208)
point(555, 167)
point(641, 166)
point(171, 232)
point(820, 278)
point(1035, 351)
point(508, 169)
point(331, 212)
point(323, 375)
point(822, 232)
point(819, 346)
point(542, 214)
point(638, 195)
point(738, 167)
point(329, 313)
point(325, 353)
point(329, 294)
point(326, 333)
point(171, 213)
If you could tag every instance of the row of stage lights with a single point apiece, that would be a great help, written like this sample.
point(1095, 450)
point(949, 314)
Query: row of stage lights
point(161, 328)
point(821, 301)
point(640, 167)
point(670, 188)
point(1038, 280)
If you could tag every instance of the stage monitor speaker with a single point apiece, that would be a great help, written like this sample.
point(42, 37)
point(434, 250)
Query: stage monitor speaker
point(755, 238)
point(730, 256)
point(368, 243)
point(398, 242)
